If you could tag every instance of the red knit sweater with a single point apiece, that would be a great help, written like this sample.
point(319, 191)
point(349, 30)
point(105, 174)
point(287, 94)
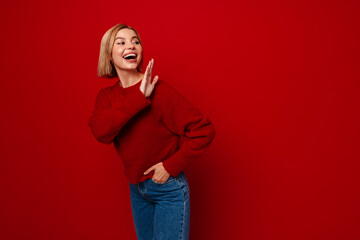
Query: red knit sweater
point(164, 127)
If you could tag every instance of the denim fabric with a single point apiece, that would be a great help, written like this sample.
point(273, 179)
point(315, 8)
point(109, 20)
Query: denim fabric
point(161, 211)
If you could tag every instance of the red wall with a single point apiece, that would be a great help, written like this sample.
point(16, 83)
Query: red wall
point(279, 80)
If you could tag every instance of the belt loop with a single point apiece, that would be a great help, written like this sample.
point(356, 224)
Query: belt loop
point(183, 176)
point(181, 179)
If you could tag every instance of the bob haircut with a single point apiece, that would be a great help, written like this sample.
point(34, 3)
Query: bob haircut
point(106, 66)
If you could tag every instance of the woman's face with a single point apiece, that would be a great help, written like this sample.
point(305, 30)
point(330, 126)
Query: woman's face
point(125, 43)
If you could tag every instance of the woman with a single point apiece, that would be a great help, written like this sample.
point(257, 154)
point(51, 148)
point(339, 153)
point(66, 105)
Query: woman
point(155, 131)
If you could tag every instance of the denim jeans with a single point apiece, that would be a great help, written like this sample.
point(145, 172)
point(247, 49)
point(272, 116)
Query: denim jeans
point(161, 211)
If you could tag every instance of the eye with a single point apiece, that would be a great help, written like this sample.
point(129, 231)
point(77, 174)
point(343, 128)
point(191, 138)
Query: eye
point(120, 43)
point(137, 42)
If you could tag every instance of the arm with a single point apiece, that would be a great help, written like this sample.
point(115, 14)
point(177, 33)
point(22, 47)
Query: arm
point(108, 118)
point(184, 119)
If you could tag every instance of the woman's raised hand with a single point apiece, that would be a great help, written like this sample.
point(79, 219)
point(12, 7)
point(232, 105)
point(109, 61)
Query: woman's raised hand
point(146, 87)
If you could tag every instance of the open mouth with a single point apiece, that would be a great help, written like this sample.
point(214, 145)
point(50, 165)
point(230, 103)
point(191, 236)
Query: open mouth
point(130, 56)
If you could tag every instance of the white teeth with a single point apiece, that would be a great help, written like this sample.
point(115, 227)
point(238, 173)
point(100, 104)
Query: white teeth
point(131, 54)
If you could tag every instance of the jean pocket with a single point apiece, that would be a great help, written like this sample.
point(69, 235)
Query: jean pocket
point(170, 179)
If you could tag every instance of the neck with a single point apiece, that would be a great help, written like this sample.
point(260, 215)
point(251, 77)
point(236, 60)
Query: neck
point(128, 78)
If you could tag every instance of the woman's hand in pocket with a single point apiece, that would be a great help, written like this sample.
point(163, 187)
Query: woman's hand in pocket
point(160, 174)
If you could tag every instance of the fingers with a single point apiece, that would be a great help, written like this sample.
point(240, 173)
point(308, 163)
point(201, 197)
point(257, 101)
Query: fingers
point(146, 85)
point(146, 74)
point(150, 69)
point(149, 170)
point(155, 80)
point(144, 80)
point(146, 71)
point(160, 174)
point(162, 179)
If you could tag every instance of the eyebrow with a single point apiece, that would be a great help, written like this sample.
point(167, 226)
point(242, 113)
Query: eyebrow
point(124, 38)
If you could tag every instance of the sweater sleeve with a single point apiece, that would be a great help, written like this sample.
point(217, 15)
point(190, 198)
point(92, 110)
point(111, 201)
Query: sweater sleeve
point(184, 119)
point(109, 117)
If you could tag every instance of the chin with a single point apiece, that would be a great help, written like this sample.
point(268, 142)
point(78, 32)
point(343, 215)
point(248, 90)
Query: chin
point(130, 68)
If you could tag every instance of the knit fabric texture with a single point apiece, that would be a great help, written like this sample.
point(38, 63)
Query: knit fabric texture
point(164, 127)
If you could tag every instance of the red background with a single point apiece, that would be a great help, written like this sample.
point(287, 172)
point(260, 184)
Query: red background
point(279, 80)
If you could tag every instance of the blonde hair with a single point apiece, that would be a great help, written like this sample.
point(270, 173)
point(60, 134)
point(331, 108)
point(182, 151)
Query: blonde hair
point(106, 66)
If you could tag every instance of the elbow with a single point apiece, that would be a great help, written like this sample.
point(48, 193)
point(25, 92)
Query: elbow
point(210, 129)
point(104, 140)
point(212, 132)
point(100, 136)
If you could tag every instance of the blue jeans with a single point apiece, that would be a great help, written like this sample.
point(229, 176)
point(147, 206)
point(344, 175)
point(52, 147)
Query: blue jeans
point(161, 211)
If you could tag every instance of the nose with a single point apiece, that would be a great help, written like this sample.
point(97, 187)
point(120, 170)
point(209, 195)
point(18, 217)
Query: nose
point(131, 46)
